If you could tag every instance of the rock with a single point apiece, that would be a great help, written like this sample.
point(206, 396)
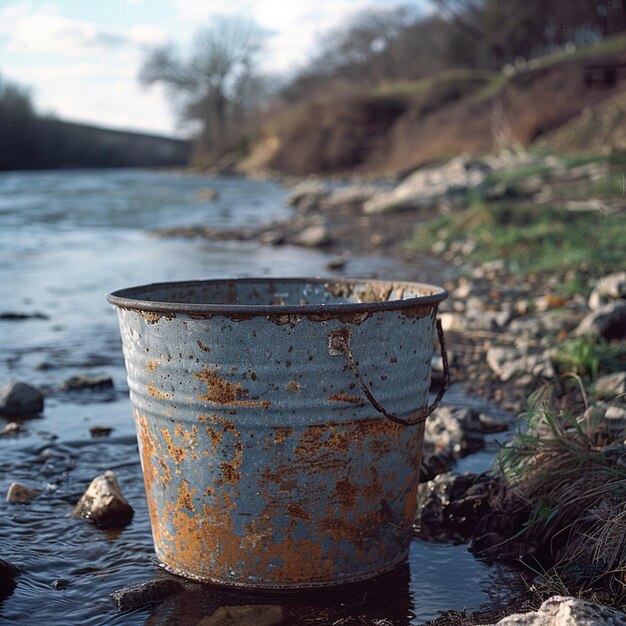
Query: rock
point(428, 186)
point(455, 430)
point(308, 195)
point(245, 615)
point(18, 316)
point(139, 595)
point(608, 322)
point(435, 464)
point(350, 196)
point(565, 611)
point(454, 322)
point(489, 425)
point(84, 381)
point(207, 194)
point(103, 503)
point(18, 399)
point(313, 236)
point(551, 322)
point(338, 263)
point(611, 385)
point(450, 506)
point(20, 494)
point(611, 287)
point(60, 583)
point(12, 428)
point(8, 574)
point(615, 420)
point(548, 302)
point(509, 362)
point(100, 431)
point(272, 238)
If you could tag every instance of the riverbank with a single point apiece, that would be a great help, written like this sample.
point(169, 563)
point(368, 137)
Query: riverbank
point(537, 296)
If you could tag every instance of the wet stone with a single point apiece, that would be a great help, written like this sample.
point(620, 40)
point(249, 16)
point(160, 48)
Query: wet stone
point(103, 503)
point(83, 381)
point(10, 429)
point(146, 593)
point(100, 431)
point(19, 399)
point(8, 574)
point(20, 494)
point(60, 583)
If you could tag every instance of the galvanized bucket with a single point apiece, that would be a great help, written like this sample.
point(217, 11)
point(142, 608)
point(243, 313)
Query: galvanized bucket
point(280, 423)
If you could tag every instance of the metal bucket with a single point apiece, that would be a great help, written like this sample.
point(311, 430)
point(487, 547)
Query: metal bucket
point(280, 423)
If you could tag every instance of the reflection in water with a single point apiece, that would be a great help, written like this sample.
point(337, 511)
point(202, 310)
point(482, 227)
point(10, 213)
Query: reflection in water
point(386, 597)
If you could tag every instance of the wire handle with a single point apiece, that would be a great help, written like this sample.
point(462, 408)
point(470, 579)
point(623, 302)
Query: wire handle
point(339, 344)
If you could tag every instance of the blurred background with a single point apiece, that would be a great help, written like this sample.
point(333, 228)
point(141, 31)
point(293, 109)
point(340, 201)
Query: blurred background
point(304, 87)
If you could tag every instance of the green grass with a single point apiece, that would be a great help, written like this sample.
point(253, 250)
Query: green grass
point(589, 357)
point(531, 238)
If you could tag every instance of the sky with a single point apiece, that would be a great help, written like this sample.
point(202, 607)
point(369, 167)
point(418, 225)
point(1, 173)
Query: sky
point(81, 58)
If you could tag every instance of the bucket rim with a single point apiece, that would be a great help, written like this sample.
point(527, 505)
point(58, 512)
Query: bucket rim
point(123, 298)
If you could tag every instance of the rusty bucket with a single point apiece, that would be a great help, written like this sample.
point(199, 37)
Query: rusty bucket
point(280, 423)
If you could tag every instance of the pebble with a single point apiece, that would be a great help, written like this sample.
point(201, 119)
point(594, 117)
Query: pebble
point(83, 381)
point(100, 431)
point(103, 504)
point(314, 236)
point(20, 494)
point(19, 399)
point(11, 428)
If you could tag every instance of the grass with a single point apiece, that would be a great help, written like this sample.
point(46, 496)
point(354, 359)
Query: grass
point(576, 492)
point(589, 357)
point(531, 237)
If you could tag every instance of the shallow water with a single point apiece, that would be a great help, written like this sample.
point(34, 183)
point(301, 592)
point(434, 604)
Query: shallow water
point(67, 239)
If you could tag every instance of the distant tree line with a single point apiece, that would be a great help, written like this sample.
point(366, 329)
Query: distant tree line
point(217, 87)
point(30, 141)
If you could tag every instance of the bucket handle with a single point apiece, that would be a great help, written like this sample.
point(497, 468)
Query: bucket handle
point(339, 343)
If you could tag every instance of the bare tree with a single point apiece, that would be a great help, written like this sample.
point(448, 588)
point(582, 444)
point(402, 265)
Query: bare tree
point(217, 85)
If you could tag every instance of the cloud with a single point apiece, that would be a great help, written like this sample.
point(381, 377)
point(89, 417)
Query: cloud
point(44, 30)
point(293, 27)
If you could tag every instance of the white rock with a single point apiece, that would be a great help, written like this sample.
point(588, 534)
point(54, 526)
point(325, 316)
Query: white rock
point(610, 287)
point(427, 186)
point(313, 236)
point(103, 503)
point(308, 194)
point(563, 611)
point(355, 194)
point(508, 362)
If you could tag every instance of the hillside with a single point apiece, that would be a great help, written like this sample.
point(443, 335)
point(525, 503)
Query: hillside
point(399, 127)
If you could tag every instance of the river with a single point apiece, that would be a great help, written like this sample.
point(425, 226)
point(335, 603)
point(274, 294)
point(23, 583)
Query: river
point(66, 240)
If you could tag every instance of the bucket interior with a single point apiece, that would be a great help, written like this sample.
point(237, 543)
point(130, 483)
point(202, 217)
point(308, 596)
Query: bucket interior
point(278, 293)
